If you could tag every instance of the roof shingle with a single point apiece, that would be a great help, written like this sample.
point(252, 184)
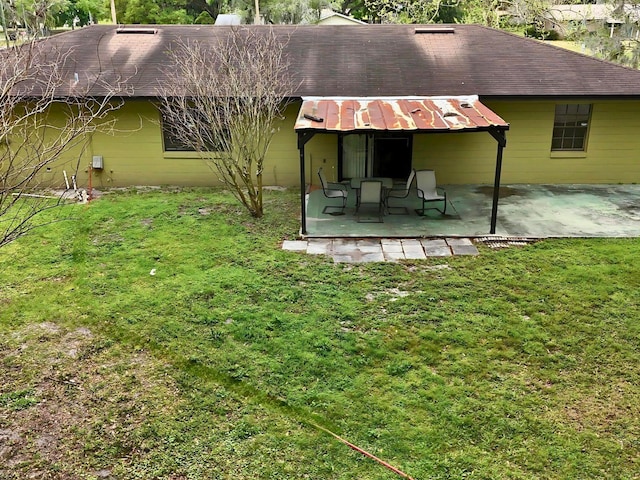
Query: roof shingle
point(373, 60)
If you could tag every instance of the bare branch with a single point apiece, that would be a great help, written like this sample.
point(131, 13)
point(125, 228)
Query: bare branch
point(38, 127)
point(222, 100)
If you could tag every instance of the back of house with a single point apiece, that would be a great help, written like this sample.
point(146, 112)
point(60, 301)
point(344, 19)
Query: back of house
point(570, 118)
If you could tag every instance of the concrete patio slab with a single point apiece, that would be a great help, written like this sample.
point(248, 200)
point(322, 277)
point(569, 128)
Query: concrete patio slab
point(529, 211)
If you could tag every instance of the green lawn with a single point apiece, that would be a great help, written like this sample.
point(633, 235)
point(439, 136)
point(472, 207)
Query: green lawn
point(520, 363)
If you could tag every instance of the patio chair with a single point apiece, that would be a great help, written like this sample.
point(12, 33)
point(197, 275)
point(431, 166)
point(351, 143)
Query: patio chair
point(400, 192)
point(370, 196)
point(428, 191)
point(333, 190)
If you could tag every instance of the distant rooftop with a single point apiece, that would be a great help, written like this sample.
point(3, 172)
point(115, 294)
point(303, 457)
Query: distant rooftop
point(329, 17)
point(228, 19)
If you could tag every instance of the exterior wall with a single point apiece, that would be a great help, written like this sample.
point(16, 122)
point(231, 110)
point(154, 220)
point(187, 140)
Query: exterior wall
point(457, 158)
point(134, 154)
point(612, 155)
point(321, 151)
point(613, 145)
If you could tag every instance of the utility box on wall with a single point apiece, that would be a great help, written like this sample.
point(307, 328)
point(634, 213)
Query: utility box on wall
point(97, 163)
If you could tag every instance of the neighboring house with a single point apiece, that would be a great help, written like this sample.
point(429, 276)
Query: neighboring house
point(228, 19)
point(570, 118)
point(329, 17)
point(566, 19)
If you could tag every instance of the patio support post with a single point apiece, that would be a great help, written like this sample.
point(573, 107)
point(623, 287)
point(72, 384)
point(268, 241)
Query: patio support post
point(303, 138)
point(499, 135)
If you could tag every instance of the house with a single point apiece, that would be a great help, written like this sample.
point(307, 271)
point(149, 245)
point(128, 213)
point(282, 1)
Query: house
point(329, 17)
point(565, 19)
point(563, 117)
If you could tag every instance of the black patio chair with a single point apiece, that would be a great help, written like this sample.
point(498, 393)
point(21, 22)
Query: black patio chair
point(333, 190)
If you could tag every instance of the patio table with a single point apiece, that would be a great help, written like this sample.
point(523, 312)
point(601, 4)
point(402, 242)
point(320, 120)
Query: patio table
point(356, 181)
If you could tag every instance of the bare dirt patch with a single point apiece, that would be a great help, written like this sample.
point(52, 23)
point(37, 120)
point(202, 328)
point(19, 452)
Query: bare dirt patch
point(70, 401)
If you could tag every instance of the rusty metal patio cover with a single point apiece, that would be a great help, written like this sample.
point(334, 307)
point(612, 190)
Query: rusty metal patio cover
point(418, 114)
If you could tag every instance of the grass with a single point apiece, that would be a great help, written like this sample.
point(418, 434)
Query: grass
point(518, 363)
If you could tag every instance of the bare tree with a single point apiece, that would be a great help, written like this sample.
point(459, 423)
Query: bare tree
point(46, 116)
point(223, 100)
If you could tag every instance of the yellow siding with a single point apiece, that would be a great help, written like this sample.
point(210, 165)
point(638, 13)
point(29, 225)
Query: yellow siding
point(612, 154)
point(134, 154)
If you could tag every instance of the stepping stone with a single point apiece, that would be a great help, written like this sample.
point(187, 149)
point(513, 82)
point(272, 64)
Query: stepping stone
point(367, 243)
point(392, 246)
point(434, 242)
point(319, 246)
point(411, 242)
point(344, 248)
point(372, 257)
point(393, 256)
point(413, 249)
point(438, 251)
point(464, 250)
point(295, 245)
point(343, 259)
point(459, 241)
point(414, 254)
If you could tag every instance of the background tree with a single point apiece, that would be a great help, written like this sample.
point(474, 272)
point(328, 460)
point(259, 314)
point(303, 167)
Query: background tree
point(620, 44)
point(155, 12)
point(224, 100)
point(531, 14)
point(37, 16)
point(39, 127)
point(78, 13)
point(483, 12)
point(412, 11)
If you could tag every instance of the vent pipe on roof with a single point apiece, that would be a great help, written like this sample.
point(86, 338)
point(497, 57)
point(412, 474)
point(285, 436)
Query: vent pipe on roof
point(421, 30)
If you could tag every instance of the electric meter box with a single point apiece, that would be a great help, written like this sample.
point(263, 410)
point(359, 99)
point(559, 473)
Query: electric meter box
point(97, 162)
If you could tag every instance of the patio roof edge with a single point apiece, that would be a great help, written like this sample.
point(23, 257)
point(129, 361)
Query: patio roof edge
point(418, 114)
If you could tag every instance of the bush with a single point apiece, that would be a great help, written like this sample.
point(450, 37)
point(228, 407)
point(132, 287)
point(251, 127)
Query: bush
point(204, 18)
point(534, 32)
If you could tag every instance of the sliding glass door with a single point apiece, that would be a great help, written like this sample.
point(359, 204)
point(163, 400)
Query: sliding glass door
point(375, 155)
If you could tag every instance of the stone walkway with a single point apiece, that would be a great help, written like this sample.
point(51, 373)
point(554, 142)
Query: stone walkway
point(382, 250)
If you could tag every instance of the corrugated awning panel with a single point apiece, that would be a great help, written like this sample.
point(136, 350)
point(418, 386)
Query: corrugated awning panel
point(396, 114)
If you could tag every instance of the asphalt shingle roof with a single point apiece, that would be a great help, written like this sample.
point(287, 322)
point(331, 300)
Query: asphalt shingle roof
point(373, 60)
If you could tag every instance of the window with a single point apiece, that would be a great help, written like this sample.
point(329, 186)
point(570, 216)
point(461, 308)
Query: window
point(172, 142)
point(570, 127)
point(169, 137)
